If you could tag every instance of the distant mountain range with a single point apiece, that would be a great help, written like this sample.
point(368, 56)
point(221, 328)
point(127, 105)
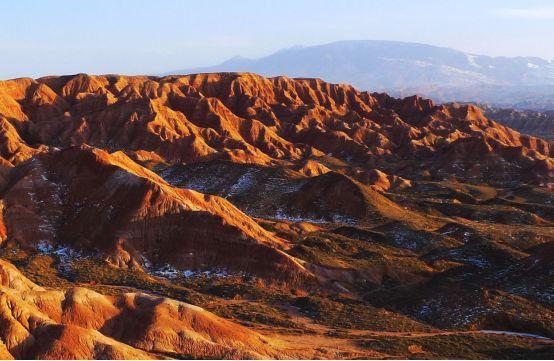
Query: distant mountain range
point(402, 69)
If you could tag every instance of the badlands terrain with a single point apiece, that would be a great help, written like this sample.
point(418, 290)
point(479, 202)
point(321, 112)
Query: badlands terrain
point(228, 215)
point(532, 122)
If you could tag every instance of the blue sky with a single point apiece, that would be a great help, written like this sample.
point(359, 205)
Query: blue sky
point(144, 37)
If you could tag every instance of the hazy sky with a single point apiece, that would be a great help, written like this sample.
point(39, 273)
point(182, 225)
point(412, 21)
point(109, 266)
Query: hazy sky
point(140, 37)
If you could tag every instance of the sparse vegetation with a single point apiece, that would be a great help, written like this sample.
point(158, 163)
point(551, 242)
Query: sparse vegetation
point(352, 314)
point(252, 312)
point(461, 346)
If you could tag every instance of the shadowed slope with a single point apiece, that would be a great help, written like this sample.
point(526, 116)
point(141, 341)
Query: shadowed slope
point(139, 220)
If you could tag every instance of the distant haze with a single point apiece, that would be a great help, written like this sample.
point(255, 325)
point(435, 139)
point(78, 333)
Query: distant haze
point(403, 68)
point(147, 37)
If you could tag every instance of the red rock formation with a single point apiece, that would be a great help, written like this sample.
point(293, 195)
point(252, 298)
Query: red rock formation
point(244, 118)
point(95, 201)
point(78, 156)
point(79, 323)
point(312, 168)
point(248, 118)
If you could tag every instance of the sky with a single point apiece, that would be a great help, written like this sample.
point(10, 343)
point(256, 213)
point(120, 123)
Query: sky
point(56, 37)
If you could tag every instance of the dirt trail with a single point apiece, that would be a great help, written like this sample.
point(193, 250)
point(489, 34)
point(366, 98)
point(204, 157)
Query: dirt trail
point(442, 333)
point(328, 345)
point(320, 341)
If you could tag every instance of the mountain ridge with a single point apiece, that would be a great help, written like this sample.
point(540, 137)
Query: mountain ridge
point(403, 68)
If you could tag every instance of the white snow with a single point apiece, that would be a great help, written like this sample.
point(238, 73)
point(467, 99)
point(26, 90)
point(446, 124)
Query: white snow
point(166, 271)
point(403, 239)
point(170, 272)
point(337, 218)
point(471, 60)
point(246, 181)
point(457, 255)
point(522, 334)
point(188, 273)
point(65, 254)
point(44, 247)
point(281, 215)
point(121, 176)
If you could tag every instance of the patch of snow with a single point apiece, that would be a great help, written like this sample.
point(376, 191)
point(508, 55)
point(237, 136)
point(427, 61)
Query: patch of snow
point(188, 273)
point(461, 316)
point(166, 271)
point(281, 215)
point(470, 75)
point(246, 181)
point(146, 263)
point(44, 246)
point(282, 186)
point(403, 239)
point(121, 176)
point(424, 310)
point(521, 334)
point(532, 66)
point(171, 273)
point(337, 218)
point(471, 60)
point(478, 261)
point(65, 254)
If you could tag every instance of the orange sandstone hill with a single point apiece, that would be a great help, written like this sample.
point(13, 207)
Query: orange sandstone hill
point(246, 118)
point(90, 200)
point(78, 323)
